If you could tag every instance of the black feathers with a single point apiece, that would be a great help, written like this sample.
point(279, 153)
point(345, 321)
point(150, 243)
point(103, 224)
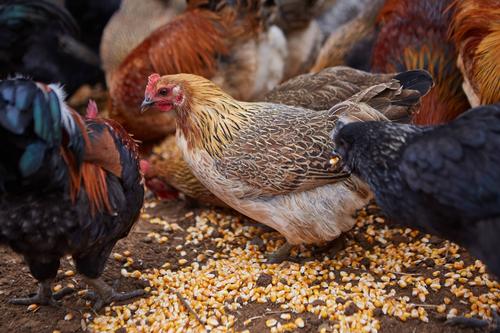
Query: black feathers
point(419, 80)
point(443, 179)
point(39, 38)
point(54, 201)
point(31, 129)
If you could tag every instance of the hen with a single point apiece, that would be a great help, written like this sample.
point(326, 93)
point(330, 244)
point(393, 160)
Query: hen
point(443, 179)
point(270, 161)
point(222, 40)
point(40, 39)
point(319, 91)
point(414, 35)
point(476, 31)
point(67, 186)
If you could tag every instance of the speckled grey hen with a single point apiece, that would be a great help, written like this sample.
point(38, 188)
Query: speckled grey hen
point(271, 161)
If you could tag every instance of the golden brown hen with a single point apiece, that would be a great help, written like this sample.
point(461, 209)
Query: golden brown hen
point(221, 40)
point(475, 30)
point(319, 91)
point(270, 161)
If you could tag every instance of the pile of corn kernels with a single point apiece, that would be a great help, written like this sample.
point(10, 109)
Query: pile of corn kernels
point(372, 276)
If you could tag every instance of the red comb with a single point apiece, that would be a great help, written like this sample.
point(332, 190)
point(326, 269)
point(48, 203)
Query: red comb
point(92, 110)
point(144, 165)
point(152, 79)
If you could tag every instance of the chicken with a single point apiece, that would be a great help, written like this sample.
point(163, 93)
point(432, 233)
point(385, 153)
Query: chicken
point(221, 40)
point(442, 179)
point(351, 44)
point(319, 91)
point(67, 186)
point(270, 161)
point(475, 30)
point(130, 25)
point(168, 169)
point(414, 35)
point(39, 38)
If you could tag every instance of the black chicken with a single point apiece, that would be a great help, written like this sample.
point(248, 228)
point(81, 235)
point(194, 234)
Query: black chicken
point(442, 179)
point(67, 186)
point(39, 38)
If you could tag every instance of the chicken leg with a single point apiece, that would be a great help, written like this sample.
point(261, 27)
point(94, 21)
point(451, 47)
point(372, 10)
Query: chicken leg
point(44, 295)
point(107, 294)
point(280, 255)
point(476, 323)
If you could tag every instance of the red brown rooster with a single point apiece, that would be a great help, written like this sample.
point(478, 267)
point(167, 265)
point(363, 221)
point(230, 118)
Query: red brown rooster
point(414, 35)
point(67, 186)
point(221, 40)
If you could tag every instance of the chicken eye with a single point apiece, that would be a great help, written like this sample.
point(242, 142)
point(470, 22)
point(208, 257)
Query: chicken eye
point(163, 92)
point(343, 143)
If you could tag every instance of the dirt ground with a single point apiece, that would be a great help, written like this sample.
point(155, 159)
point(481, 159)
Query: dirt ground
point(148, 254)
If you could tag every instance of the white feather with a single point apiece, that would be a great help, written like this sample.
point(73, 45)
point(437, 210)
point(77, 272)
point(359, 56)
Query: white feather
point(66, 118)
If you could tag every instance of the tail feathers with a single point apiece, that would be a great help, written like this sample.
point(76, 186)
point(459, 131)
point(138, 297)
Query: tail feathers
point(418, 80)
point(34, 120)
point(32, 159)
point(16, 98)
point(397, 98)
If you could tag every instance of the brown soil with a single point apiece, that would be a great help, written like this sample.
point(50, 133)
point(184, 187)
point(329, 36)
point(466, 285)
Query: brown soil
point(15, 280)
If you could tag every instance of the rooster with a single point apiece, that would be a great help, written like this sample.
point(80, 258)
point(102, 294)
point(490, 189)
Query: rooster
point(475, 30)
point(270, 161)
point(166, 168)
point(442, 179)
point(39, 38)
point(221, 40)
point(414, 35)
point(67, 186)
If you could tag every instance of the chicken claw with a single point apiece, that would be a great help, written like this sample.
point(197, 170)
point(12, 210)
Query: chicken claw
point(44, 296)
point(280, 255)
point(107, 294)
point(476, 323)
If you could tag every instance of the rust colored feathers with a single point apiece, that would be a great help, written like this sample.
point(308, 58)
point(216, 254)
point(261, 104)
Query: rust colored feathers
point(414, 35)
point(475, 29)
point(201, 41)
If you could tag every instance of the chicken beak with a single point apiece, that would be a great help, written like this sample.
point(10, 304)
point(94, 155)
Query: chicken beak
point(336, 163)
point(334, 160)
point(146, 104)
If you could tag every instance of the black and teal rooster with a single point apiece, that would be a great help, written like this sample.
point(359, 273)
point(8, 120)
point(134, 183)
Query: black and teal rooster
point(40, 39)
point(68, 185)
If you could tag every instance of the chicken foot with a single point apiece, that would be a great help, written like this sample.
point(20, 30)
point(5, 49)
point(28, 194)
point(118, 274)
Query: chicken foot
point(476, 323)
point(44, 295)
point(280, 255)
point(107, 294)
point(332, 247)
